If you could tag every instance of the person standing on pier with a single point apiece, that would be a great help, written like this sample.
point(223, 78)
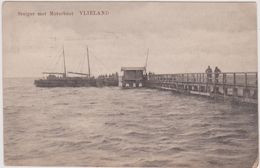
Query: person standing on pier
point(217, 71)
point(209, 74)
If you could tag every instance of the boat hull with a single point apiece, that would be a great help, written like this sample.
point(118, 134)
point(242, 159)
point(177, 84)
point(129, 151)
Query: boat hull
point(63, 82)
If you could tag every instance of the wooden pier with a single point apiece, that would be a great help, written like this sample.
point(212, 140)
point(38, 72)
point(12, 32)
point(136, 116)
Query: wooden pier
point(237, 86)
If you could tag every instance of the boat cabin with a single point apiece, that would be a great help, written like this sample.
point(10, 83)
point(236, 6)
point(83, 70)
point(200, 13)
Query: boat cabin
point(53, 75)
point(133, 76)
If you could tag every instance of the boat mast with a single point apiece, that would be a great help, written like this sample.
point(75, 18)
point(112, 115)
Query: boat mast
point(88, 62)
point(64, 62)
point(146, 59)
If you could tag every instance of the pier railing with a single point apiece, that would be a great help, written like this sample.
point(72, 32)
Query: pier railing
point(239, 79)
point(241, 86)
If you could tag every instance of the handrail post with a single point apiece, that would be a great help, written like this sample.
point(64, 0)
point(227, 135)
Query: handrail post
point(224, 78)
point(234, 86)
point(246, 80)
point(234, 79)
point(256, 81)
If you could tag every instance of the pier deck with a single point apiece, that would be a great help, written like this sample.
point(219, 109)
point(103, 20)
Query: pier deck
point(237, 86)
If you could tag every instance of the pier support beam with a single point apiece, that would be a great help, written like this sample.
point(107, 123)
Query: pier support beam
point(235, 92)
point(255, 95)
point(225, 91)
point(246, 93)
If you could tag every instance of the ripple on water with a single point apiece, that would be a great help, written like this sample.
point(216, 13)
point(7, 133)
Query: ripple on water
point(116, 127)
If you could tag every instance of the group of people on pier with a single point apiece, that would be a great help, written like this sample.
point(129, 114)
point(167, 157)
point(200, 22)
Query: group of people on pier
point(113, 75)
point(107, 80)
point(209, 73)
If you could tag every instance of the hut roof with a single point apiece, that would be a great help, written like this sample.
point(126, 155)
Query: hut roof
point(133, 69)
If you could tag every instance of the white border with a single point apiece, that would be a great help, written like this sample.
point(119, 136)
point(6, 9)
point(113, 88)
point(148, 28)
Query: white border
point(1, 64)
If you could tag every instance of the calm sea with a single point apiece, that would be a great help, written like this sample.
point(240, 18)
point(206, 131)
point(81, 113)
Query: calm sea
point(116, 127)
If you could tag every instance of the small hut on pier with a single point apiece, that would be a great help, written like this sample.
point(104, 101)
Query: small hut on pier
point(133, 76)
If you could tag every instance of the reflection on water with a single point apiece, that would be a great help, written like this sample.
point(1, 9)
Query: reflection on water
point(116, 127)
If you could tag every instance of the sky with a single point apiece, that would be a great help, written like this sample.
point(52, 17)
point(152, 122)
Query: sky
point(181, 37)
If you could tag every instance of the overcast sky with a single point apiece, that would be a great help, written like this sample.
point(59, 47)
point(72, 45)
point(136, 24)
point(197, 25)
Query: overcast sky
point(182, 37)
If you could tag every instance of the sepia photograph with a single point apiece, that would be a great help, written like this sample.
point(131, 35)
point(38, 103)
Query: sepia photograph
point(130, 84)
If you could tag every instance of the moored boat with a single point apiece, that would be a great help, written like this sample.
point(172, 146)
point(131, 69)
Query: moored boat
point(62, 79)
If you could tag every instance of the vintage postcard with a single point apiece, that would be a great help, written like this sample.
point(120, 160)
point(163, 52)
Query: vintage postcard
point(130, 84)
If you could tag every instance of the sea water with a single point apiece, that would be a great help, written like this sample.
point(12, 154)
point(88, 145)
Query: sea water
point(114, 127)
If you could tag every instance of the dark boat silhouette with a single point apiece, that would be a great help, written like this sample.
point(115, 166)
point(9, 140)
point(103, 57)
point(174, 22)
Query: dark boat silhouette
point(61, 79)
